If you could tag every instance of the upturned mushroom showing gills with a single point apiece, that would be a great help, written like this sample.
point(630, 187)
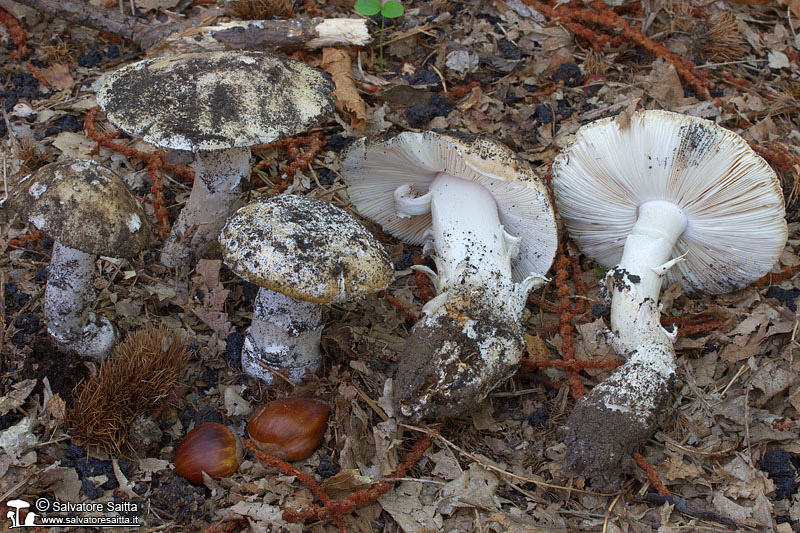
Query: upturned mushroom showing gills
point(490, 224)
point(665, 197)
point(217, 105)
point(303, 253)
point(88, 211)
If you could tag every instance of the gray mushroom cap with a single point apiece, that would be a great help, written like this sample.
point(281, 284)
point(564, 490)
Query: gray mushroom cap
point(304, 248)
point(83, 205)
point(216, 100)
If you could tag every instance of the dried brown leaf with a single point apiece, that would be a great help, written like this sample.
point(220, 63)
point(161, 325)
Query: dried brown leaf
point(624, 118)
point(337, 63)
point(793, 5)
point(58, 76)
point(212, 310)
point(17, 396)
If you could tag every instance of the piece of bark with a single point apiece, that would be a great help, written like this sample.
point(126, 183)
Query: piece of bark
point(287, 35)
point(141, 32)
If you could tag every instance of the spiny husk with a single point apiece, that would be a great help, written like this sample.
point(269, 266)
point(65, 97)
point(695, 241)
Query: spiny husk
point(260, 9)
point(724, 41)
point(134, 381)
point(30, 153)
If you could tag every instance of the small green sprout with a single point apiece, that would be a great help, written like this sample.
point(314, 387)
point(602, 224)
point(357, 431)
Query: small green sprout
point(389, 9)
point(600, 271)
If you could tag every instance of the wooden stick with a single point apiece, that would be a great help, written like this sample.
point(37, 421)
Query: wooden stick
point(287, 35)
point(141, 32)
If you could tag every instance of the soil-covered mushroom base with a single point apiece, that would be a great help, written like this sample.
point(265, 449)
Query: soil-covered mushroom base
point(69, 290)
point(284, 336)
point(612, 422)
point(455, 356)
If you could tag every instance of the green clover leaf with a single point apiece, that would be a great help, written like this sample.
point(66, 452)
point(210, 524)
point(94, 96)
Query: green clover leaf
point(392, 9)
point(368, 7)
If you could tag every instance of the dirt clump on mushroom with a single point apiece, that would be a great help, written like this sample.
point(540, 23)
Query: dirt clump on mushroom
point(615, 434)
point(458, 358)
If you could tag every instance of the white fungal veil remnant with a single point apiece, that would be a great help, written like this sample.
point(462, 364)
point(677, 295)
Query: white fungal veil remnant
point(486, 219)
point(665, 197)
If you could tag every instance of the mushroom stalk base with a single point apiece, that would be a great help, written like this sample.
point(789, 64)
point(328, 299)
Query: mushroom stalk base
point(470, 340)
point(220, 177)
point(283, 336)
point(618, 416)
point(66, 299)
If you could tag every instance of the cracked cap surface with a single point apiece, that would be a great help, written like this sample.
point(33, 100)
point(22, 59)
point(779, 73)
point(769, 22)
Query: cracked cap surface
point(216, 100)
point(83, 205)
point(304, 248)
point(731, 197)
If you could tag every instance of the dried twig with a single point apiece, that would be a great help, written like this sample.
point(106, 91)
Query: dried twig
point(182, 172)
point(299, 159)
point(576, 17)
point(682, 505)
point(137, 30)
point(16, 31)
point(567, 309)
point(155, 162)
point(288, 34)
point(335, 509)
point(23, 240)
point(652, 476)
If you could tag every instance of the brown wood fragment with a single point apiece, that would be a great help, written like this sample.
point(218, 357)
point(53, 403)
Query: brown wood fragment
point(183, 37)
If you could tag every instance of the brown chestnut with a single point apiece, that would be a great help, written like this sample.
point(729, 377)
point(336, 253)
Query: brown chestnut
point(289, 428)
point(210, 447)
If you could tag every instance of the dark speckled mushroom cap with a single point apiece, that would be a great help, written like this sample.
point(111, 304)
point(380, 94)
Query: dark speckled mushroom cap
point(83, 205)
point(216, 100)
point(304, 248)
point(374, 167)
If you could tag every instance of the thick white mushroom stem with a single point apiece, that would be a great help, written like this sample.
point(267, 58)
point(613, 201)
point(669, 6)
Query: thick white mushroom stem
point(470, 245)
point(283, 336)
point(471, 339)
point(66, 299)
point(620, 414)
point(220, 177)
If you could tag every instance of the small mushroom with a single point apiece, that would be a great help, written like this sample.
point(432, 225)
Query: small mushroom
point(216, 105)
point(493, 234)
point(303, 253)
point(88, 211)
point(665, 197)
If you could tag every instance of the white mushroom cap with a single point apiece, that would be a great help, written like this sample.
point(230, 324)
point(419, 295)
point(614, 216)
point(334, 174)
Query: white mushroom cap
point(304, 248)
point(374, 168)
point(731, 197)
point(216, 100)
point(83, 205)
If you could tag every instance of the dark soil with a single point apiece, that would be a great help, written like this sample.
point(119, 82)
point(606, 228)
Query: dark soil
point(63, 371)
